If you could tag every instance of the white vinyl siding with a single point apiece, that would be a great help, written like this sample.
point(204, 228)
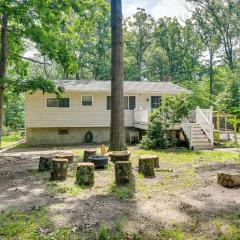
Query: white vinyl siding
point(38, 115)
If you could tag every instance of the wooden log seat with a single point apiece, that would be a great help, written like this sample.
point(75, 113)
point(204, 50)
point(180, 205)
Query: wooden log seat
point(44, 163)
point(146, 165)
point(119, 156)
point(58, 169)
point(65, 155)
point(88, 153)
point(85, 174)
point(229, 179)
point(123, 172)
point(154, 157)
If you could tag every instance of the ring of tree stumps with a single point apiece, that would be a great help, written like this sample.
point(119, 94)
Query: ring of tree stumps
point(58, 166)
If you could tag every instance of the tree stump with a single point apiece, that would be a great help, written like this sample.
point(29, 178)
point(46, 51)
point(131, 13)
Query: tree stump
point(229, 180)
point(85, 174)
point(146, 166)
point(88, 153)
point(67, 155)
point(44, 163)
point(58, 169)
point(117, 156)
point(154, 157)
point(123, 171)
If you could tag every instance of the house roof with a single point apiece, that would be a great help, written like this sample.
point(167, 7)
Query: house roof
point(129, 86)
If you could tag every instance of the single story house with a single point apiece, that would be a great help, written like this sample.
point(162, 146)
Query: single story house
point(84, 111)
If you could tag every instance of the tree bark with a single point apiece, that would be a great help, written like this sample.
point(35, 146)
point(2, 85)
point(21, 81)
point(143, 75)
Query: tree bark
point(117, 131)
point(3, 64)
point(211, 73)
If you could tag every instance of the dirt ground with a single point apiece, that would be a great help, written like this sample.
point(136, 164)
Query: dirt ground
point(184, 195)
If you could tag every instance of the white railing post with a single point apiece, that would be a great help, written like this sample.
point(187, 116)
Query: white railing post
point(211, 114)
point(197, 109)
point(190, 140)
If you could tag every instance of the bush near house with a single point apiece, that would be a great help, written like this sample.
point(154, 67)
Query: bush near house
point(171, 111)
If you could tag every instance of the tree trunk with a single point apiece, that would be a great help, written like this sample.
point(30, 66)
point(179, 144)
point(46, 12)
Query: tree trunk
point(123, 172)
point(85, 174)
point(211, 73)
point(117, 132)
point(3, 64)
point(77, 76)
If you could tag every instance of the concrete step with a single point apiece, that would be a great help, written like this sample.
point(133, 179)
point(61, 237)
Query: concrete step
point(198, 136)
point(202, 147)
point(197, 133)
point(200, 141)
point(204, 144)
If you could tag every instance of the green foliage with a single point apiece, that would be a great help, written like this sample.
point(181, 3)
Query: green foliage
point(138, 38)
point(10, 139)
point(103, 233)
point(13, 111)
point(171, 111)
point(182, 47)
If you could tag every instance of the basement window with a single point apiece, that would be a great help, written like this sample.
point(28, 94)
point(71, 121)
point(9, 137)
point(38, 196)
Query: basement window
point(63, 131)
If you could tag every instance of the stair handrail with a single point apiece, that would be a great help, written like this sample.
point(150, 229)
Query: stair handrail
point(206, 126)
point(187, 128)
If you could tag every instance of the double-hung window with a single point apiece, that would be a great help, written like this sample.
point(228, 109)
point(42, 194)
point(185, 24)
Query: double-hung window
point(155, 102)
point(58, 103)
point(129, 102)
point(87, 101)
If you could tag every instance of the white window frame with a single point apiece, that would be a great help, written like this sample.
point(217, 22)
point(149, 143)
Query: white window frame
point(82, 101)
point(123, 102)
point(70, 103)
point(128, 102)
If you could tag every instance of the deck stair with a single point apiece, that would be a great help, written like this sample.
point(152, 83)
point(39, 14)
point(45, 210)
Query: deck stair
point(200, 132)
point(199, 139)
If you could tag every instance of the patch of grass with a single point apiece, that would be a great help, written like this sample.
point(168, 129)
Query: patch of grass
point(174, 233)
point(228, 144)
point(122, 191)
point(103, 233)
point(64, 188)
point(8, 140)
point(16, 224)
point(36, 224)
point(140, 175)
point(22, 146)
point(181, 157)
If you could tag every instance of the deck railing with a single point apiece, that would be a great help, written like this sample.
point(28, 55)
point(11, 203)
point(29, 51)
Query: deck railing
point(187, 128)
point(141, 116)
point(204, 119)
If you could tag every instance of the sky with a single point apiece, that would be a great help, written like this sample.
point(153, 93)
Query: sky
point(156, 8)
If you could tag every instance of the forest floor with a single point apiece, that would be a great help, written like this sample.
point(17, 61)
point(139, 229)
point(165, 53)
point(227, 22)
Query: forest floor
point(184, 201)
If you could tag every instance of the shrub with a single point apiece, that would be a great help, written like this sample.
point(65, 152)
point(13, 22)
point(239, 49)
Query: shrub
point(171, 112)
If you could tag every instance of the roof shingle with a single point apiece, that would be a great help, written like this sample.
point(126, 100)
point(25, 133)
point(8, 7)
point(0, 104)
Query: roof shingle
point(129, 86)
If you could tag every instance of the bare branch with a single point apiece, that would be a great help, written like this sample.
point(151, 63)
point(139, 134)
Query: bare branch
point(30, 59)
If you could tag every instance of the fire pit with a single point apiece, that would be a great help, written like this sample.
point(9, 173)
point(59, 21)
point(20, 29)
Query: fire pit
point(99, 161)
